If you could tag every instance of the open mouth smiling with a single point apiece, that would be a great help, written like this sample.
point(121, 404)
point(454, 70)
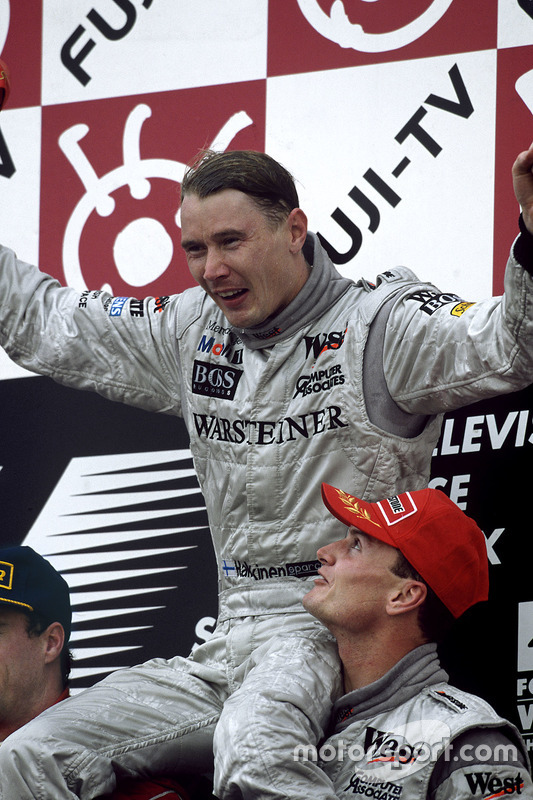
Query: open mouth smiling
point(230, 294)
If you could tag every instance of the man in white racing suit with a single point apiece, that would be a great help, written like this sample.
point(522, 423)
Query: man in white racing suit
point(408, 567)
point(286, 374)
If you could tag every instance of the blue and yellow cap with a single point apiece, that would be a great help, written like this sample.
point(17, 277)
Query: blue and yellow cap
point(28, 582)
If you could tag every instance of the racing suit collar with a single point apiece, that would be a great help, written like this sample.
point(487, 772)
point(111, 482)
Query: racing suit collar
point(421, 667)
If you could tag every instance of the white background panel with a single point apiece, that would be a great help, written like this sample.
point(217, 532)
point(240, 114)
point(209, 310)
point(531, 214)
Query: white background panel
point(19, 222)
point(515, 26)
point(169, 45)
point(329, 127)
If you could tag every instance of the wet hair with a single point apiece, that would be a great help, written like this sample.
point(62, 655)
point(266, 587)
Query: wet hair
point(36, 625)
point(256, 174)
point(434, 618)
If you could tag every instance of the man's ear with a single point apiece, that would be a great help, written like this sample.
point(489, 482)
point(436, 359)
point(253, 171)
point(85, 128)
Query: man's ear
point(297, 225)
point(54, 639)
point(409, 596)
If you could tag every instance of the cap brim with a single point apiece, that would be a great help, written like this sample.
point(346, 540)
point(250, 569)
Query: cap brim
point(16, 605)
point(354, 512)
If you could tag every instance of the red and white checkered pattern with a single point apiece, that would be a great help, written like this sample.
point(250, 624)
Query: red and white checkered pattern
point(111, 99)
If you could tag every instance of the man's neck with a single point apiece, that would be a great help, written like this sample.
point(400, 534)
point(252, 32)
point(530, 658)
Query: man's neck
point(366, 662)
point(13, 722)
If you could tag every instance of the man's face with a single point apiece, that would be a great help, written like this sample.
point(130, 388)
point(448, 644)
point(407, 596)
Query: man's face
point(21, 669)
point(245, 265)
point(355, 581)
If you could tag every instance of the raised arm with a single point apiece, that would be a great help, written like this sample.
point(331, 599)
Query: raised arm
point(523, 185)
point(122, 348)
point(442, 357)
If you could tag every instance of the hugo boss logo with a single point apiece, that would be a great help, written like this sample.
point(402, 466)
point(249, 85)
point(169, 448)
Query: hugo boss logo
point(215, 380)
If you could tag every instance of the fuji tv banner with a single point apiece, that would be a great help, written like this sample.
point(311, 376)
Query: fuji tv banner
point(400, 123)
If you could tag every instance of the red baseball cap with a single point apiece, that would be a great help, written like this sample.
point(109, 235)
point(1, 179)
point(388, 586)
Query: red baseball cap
point(443, 544)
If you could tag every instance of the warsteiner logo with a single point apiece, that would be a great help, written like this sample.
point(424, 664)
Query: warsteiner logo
point(261, 432)
point(214, 380)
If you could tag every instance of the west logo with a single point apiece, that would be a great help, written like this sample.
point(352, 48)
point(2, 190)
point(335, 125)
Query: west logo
point(389, 747)
point(432, 301)
point(484, 782)
point(323, 341)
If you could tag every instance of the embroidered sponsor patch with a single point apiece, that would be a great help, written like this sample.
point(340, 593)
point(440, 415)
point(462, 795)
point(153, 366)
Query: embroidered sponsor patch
point(215, 380)
point(6, 575)
point(460, 308)
point(397, 508)
point(430, 302)
point(117, 305)
point(241, 569)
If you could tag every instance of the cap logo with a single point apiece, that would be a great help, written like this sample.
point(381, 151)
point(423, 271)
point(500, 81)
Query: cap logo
point(397, 508)
point(6, 575)
point(352, 506)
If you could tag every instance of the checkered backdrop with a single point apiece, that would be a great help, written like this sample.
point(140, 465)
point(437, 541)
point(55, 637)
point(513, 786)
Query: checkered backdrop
point(400, 122)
